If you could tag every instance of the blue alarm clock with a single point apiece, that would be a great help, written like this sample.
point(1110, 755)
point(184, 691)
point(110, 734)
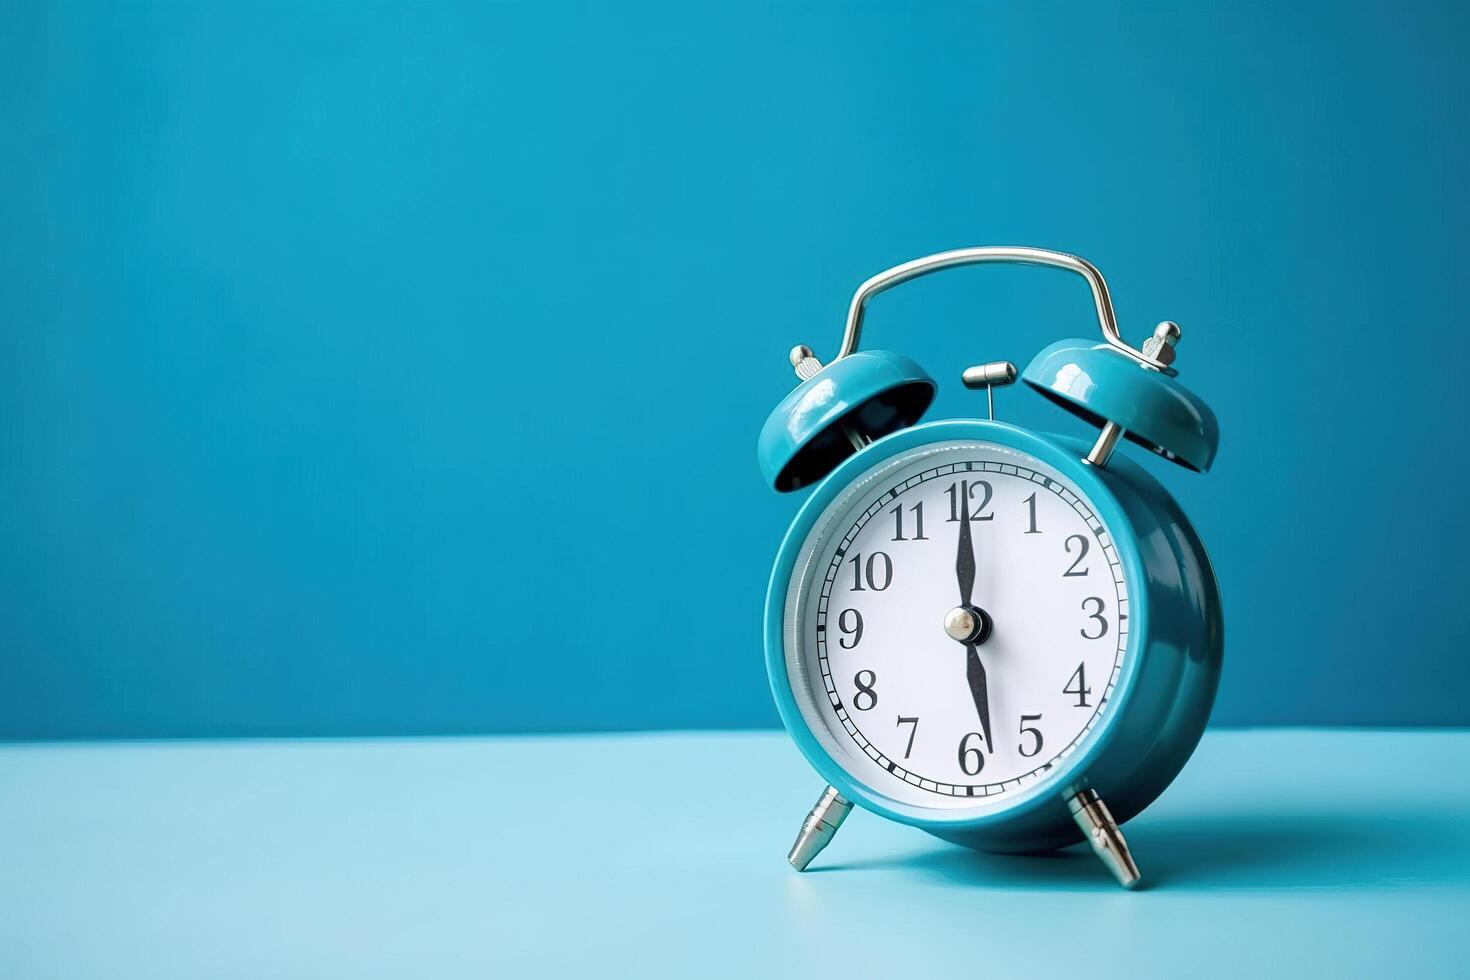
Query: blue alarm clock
point(1009, 639)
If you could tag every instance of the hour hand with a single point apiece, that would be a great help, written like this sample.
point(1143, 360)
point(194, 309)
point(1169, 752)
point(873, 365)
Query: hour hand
point(975, 673)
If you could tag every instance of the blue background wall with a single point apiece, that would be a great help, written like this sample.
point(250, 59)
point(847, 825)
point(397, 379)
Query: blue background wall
point(343, 348)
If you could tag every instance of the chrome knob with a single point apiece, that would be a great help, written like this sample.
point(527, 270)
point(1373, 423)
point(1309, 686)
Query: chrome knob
point(1161, 345)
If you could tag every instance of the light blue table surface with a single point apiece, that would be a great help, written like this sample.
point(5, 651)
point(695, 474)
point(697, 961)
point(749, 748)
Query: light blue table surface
point(1311, 853)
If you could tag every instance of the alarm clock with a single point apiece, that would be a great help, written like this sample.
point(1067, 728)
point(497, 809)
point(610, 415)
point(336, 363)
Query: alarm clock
point(1009, 639)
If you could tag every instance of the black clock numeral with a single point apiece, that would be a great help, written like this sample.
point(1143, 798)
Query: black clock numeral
point(972, 760)
point(968, 488)
point(852, 626)
point(877, 562)
point(918, 511)
point(1072, 572)
point(1031, 504)
point(914, 722)
point(865, 690)
point(1079, 677)
point(1034, 732)
point(1097, 616)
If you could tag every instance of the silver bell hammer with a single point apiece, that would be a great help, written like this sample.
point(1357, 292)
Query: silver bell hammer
point(990, 376)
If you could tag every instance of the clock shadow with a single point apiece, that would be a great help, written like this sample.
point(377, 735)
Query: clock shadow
point(1325, 849)
point(1073, 868)
point(1248, 851)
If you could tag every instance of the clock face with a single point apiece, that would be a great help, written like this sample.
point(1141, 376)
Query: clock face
point(956, 624)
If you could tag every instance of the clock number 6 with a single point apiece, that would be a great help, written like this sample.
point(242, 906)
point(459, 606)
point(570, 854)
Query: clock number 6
point(1097, 616)
point(972, 760)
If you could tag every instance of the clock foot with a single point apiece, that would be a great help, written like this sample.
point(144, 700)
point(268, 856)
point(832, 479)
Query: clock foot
point(1092, 815)
point(820, 827)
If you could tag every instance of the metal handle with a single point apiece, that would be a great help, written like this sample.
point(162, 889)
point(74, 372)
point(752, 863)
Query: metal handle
point(1013, 254)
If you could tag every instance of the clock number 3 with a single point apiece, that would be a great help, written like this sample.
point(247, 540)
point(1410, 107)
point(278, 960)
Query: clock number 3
point(1096, 616)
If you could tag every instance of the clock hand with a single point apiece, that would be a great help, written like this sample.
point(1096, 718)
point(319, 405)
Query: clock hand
point(964, 563)
point(975, 673)
point(964, 567)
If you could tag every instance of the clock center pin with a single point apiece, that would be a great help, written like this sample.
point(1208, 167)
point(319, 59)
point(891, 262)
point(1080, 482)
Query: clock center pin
point(967, 624)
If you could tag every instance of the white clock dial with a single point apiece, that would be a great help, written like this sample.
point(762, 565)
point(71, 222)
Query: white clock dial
point(901, 679)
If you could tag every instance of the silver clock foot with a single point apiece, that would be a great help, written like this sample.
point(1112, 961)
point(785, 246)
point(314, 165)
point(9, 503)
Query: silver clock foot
point(819, 829)
point(1092, 815)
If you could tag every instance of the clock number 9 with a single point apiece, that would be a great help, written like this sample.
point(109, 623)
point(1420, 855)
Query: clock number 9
point(852, 627)
point(972, 760)
point(1097, 616)
point(865, 691)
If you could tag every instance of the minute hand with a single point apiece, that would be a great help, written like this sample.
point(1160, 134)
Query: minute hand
point(964, 563)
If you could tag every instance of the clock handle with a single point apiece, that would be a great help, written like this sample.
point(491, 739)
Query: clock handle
point(1010, 254)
